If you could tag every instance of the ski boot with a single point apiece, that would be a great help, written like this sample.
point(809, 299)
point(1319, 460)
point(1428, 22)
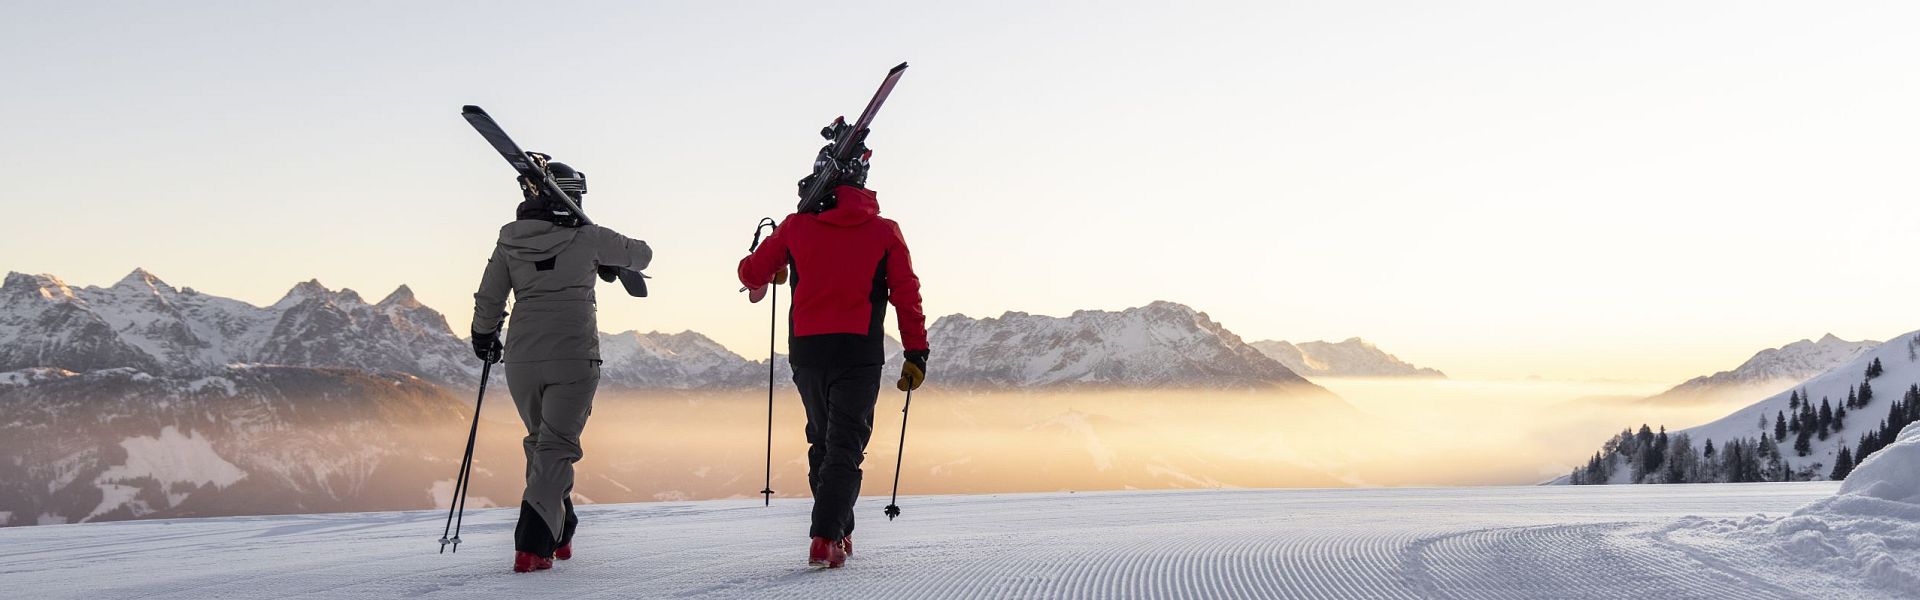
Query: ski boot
point(826, 553)
point(846, 545)
point(528, 562)
point(565, 552)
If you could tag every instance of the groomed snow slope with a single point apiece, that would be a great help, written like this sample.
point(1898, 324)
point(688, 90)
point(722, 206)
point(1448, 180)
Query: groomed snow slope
point(1521, 542)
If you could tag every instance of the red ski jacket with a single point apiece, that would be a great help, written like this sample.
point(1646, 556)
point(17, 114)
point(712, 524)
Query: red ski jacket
point(848, 263)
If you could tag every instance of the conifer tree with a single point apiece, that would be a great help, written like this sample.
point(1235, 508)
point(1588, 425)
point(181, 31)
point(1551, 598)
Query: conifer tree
point(1852, 399)
point(1840, 418)
point(1826, 418)
point(1780, 426)
point(1866, 394)
point(1793, 401)
point(1842, 465)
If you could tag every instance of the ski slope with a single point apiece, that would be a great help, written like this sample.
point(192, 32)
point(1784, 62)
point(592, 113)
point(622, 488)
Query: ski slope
point(1515, 542)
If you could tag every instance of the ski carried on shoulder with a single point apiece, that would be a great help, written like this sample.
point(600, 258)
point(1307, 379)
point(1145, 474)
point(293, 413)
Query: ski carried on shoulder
point(845, 142)
point(533, 166)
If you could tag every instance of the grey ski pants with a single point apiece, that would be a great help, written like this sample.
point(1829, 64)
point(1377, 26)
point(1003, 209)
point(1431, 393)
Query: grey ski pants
point(554, 398)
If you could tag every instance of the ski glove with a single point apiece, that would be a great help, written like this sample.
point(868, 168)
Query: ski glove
point(914, 371)
point(780, 276)
point(608, 274)
point(487, 347)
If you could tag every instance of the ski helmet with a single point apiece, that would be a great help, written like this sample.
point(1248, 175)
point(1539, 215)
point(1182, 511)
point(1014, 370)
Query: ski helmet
point(536, 205)
point(852, 171)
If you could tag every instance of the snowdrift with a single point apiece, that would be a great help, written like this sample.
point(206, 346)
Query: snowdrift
point(1871, 527)
point(1867, 532)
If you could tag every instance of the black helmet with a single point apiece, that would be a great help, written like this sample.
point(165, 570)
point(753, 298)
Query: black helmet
point(852, 171)
point(536, 205)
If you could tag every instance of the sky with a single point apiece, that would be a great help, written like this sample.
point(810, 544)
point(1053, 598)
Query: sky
point(1631, 191)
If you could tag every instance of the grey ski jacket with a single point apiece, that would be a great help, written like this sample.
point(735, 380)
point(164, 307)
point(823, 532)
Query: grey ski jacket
point(551, 271)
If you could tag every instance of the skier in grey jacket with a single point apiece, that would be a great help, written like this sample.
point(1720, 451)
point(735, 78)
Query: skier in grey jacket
point(548, 260)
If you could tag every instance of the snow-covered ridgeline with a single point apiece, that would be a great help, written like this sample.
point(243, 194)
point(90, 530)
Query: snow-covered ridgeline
point(146, 324)
point(1354, 357)
point(1770, 371)
point(1162, 344)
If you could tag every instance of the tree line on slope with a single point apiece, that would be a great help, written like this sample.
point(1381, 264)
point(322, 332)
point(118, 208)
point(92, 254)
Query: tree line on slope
point(1651, 457)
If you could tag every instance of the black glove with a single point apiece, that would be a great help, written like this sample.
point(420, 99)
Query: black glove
point(608, 274)
point(487, 347)
point(914, 371)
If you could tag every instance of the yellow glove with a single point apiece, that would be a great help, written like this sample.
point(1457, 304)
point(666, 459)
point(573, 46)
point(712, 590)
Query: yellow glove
point(780, 276)
point(913, 372)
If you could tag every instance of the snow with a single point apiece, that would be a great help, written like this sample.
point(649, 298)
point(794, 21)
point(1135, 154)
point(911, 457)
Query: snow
point(1868, 532)
point(1514, 542)
point(170, 458)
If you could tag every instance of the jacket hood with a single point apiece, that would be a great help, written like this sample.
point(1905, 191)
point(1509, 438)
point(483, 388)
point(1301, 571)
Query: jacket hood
point(852, 206)
point(529, 239)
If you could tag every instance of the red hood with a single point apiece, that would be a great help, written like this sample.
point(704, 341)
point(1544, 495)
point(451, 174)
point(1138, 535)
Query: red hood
point(852, 206)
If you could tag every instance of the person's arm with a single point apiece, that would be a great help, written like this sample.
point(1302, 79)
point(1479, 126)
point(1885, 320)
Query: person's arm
point(759, 267)
point(614, 250)
point(490, 302)
point(904, 292)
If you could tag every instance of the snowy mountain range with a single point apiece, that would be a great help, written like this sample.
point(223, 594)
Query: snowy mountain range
point(1351, 358)
point(1769, 372)
point(1162, 344)
point(143, 323)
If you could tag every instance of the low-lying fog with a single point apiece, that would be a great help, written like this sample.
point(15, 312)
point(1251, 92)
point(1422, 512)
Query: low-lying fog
point(668, 446)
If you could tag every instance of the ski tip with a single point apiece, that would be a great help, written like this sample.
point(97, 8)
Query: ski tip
point(897, 69)
point(471, 110)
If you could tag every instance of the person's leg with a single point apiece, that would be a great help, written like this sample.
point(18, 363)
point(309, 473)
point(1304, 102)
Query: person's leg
point(811, 383)
point(851, 397)
point(525, 384)
point(565, 404)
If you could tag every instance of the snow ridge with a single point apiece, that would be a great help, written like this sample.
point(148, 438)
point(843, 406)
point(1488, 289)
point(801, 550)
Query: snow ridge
point(1771, 370)
point(1353, 357)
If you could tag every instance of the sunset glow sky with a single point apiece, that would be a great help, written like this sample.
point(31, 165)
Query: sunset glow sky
point(1638, 191)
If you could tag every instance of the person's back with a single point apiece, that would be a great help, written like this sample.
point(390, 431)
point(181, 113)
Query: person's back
point(551, 270)
point(548, 260)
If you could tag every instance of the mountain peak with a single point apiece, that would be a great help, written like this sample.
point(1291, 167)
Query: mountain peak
point(1830, 339)
point(304, 291)
point(43, 285)
point(141, 278)
point(401, 296)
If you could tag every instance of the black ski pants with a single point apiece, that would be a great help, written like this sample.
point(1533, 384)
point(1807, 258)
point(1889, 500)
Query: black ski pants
point(839, 402)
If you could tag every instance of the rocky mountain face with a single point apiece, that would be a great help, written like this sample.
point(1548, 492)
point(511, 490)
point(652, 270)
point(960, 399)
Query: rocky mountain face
point(1351, 358)
point(121, 443)
point(1770, 371)
point(1159, 345)
point(143, 323)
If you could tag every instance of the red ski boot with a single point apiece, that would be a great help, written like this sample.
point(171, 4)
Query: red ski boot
point(565, 552)
point(846, 545)
point(826, 553)
point(528, 562)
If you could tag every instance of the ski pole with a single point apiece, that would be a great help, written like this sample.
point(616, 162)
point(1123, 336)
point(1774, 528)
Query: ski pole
point(461, 480)
point(773, 328)
point(899, 456)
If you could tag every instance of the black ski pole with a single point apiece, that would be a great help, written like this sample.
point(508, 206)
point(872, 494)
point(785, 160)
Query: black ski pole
point(899, 456)
point(773, 329)
point(465, 476)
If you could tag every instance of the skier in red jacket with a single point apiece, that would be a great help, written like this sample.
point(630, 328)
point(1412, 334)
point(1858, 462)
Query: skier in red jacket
point(847, 264)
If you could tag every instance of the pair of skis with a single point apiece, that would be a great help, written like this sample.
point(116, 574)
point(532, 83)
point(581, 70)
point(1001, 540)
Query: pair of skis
point(533, 166)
